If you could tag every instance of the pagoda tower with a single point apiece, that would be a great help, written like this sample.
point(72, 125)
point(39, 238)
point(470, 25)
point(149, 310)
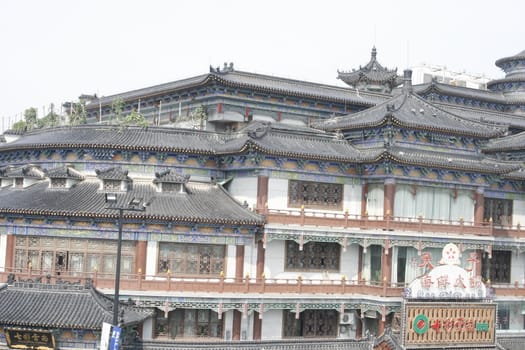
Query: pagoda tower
point(372, 77)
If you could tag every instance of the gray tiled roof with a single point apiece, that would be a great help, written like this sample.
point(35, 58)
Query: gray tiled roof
point(518, 56)
point(60, 306)
point(27, 171)
point(508, 143)
point(302, 143)
point(63, 172)
point(372, 71)
point(455, 161)
point(460, 91)
point(153, 139)
point(411, 111)
point(169, 176)
point(485, 116)
point(256, 82)
point(203, 203)
point(113, 173)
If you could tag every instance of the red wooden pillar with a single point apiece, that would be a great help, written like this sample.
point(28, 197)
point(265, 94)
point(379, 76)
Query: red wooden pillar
point(257, 326)
point(479, 206)
point(239, 262)
point(381, 327)
point(390, 192)
point(260, 259)
point(10, 252)
point(364, 197)
point(236, 331)
point(140, 256)
point(386, 265)
point(359, 327)
point(360, 265)
point(262, 192)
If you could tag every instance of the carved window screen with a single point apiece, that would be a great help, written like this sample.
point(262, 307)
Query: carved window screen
point(497, 269)
point(315, 256)
point(191, 259)
point(311, 323)
point(315, 195)
point(499, 210)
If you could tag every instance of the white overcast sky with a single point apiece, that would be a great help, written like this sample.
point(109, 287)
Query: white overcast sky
point(53, 51)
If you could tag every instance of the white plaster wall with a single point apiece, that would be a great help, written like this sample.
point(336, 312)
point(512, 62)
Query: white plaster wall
point(518, 212)
point(517, 271)
point(274, 264)
point(244, 189)
point(272, 325)
point(231, 251)
point(152, 255)
point(3, 248)
point(277, 193)
point(250, 260)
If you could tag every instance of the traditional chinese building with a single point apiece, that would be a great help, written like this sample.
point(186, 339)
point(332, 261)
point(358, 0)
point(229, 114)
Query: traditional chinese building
point(38, 314)
point(288, 210)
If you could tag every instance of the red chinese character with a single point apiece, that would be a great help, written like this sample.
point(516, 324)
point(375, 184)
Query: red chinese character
point(426, 282)
point(436, 325)
point(469, 326)
point(443, 282)
point(460, 283)
point(448, 324)
point(475, 282)
point(459, 323)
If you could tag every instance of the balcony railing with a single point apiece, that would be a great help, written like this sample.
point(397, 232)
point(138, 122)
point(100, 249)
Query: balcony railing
point(345, 220)
point(219, 285)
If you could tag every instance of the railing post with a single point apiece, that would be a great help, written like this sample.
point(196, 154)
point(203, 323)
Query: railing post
point(222, 282)
point(343, 283)
point(462, 225)
point(263, 283)
point(140, 278)
point(168, 274)
point(346, 218)
point(247, 283)
point(299, 284)
point(95, 276)
point(302, 215)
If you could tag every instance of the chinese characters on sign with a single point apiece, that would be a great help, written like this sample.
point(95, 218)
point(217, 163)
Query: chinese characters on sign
point(29, 339)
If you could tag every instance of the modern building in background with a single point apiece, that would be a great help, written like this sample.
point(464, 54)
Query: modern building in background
point(278, 209)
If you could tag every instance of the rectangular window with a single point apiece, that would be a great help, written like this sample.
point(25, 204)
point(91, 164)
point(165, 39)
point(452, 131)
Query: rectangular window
point(315, 256)
point(311, 323)
point(188, 323)
point(498, 210)
point(112, 185)
point(497, 269)
point(315, 195)
point(192, 259)
point(74, 256)
point(502, 318)
point(376, 256)
point(401, 264)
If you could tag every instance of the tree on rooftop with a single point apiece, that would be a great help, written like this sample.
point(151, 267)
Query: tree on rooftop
point(134, 118)
point(78, 113)
point(117, 107)
point(30, 117)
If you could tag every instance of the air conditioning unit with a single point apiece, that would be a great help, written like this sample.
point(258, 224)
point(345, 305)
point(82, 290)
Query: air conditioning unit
point(347, 318)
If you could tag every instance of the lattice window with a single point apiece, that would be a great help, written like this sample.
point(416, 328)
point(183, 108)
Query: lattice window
point(311, 323)
point(54, 254)
point(192, 259)
point(497, 269)
point(315, 195)
point(314, 256)
point(189, 323)
point(58, 183)
point(112, 185)
point(499, 210)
